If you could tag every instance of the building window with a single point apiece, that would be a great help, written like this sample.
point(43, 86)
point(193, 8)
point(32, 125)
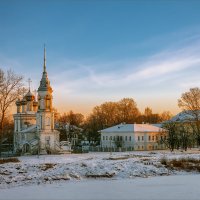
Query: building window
point(48, 121)
point(142, 147)
point(103, 137)
point(126, 138)
point(129, 138)
point(113, 138)
point(156, 138)
point(120, 138)
point(106, 137)
point(153, 138)
point(138, 147)
point(138, 138)
point(110, 137)
point(149, 138)
point(47, 140)
point(142, 138)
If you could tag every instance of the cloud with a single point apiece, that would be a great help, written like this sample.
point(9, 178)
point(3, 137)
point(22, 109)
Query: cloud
point(144, 72)
point(155, 69)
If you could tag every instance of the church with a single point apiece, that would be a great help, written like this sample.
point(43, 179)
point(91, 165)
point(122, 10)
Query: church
point(34, 131)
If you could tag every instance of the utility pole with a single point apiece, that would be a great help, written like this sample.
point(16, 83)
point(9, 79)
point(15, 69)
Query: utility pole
point(110, 146)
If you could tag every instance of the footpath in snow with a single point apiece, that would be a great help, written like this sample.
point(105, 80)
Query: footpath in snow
point(34, 170)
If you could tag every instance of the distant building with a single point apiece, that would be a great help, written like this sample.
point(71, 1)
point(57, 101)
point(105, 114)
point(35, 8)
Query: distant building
point(34, 121)
point(185, 116)
point(137, 136)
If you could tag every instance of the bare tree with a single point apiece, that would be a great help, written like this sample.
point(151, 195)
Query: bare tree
point(170, 137)
point(190, 104)
point(128, 111)
point(10, 89)
point(166, 115)
point(148, 111)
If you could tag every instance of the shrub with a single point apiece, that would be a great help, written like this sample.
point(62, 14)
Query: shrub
point(186, 164)
point(7, 160)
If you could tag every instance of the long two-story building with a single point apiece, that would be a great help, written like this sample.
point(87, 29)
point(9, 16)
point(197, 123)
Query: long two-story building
point(137, 136)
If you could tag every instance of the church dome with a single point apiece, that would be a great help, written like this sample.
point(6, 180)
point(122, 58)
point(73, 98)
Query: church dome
point(29, 96)
point(23, 101)
point(18, 102)
point(35, 103)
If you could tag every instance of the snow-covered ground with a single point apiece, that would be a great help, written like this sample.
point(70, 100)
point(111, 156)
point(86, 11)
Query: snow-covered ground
point(179, 187)
point(33, 170)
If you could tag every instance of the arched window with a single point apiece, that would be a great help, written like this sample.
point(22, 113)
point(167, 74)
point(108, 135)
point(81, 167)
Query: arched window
point(48, 121)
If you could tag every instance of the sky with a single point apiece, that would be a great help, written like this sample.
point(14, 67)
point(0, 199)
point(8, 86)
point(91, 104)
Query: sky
point(104, 50)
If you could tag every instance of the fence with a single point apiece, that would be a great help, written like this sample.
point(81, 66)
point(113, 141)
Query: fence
point(111, 149)
point(6, 150)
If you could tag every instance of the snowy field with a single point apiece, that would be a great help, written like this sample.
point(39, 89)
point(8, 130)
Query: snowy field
point(100, 171)
point(178, 187)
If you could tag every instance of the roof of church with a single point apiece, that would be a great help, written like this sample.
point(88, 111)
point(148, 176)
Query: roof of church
point(29, 96)
point(132, 128)
point(32, 128)
point(44, 83)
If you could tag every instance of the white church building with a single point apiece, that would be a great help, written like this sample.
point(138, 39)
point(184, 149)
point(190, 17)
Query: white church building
point(34, 121)
point(135, 136)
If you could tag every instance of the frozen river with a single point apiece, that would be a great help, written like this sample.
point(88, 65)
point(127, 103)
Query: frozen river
point(163, 187)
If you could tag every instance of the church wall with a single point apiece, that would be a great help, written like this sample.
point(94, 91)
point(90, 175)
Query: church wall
point(50, 140)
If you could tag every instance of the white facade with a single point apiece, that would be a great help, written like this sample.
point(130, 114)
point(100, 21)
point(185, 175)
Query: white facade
point(34, 121)
point(136, 136)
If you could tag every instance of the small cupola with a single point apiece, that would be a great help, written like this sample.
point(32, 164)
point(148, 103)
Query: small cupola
point(29, 96)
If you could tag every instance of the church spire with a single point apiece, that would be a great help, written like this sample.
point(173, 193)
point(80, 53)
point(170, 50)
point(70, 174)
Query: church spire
point(44, 83)
point(44, 70)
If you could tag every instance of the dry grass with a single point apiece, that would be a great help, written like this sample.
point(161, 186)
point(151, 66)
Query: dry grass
point(186, 164)
point(8, 160)
point(119, 158)
point(47, 166)
point(106, 175)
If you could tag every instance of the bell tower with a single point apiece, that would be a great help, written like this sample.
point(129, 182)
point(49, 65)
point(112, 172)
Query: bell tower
point(45, 112)
point(49, 137)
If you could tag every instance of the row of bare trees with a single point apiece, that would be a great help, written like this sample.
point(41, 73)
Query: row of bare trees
point(179, 136)
point(112, 113)
point(109, 114)
point(182, 134)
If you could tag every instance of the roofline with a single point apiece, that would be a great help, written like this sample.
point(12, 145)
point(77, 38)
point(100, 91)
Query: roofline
point(133, 132)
